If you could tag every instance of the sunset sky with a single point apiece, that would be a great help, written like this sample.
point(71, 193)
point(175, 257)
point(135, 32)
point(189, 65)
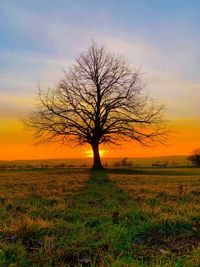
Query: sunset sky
point(40, 38)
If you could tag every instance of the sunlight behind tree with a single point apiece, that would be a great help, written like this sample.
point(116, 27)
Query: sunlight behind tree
point(100, 100)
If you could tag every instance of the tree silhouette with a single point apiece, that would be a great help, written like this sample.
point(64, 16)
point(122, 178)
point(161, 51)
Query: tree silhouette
point(100, 100)
point(195, 157)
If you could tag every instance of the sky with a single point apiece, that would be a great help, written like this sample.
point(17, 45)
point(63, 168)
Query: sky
point(40, 38)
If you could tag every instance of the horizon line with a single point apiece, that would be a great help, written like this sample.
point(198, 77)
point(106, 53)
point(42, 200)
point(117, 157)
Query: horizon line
point(90, 158)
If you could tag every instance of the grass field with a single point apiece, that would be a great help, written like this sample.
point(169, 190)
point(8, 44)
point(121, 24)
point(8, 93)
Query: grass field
point(117, 217)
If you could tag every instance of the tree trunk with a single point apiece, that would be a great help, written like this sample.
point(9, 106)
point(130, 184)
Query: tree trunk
point(96, 157)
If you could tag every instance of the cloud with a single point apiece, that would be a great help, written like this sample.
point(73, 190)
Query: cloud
point(51, 43)
point(164, 80)
point(25, 69)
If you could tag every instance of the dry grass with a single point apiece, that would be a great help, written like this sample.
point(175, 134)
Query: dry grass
point(144, 217)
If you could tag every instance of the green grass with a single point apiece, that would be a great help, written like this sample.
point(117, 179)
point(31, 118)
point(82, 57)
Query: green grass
point(144, 217)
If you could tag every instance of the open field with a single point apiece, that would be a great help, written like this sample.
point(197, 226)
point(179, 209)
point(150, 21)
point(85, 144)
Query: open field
point(117, 217)
point(87, 162)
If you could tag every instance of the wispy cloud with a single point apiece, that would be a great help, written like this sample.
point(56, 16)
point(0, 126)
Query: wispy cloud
point(52, 42)
point(39, 38)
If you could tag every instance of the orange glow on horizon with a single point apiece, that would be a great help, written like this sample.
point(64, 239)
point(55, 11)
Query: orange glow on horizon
point(16, 142)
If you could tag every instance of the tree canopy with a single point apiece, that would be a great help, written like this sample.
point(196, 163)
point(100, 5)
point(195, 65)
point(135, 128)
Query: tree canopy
point(100, 100)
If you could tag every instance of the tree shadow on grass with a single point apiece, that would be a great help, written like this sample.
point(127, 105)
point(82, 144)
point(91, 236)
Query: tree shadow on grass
point(100, 225)
point(103, 193)
point(112, 226)
point(104, 218)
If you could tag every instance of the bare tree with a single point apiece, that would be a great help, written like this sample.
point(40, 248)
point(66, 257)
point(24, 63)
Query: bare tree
point(195, 157)
point(100, 100)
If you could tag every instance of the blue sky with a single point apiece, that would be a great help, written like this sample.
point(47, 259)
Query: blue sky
point(39, 38)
